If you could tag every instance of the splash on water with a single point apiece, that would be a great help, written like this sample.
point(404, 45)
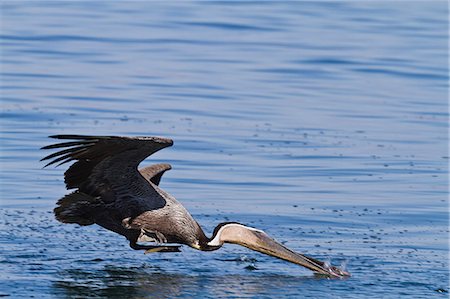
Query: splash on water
point(343, 265)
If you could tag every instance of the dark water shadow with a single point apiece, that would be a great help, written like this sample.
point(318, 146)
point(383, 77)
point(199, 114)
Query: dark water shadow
point(123, 282)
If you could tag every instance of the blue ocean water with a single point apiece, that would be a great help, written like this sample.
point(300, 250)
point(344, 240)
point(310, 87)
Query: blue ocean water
point(323, 123)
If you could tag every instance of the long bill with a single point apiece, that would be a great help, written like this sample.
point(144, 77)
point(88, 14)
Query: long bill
point(259, 241)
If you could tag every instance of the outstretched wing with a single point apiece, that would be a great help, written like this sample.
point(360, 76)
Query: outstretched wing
point(106, 168)
point(153, 173)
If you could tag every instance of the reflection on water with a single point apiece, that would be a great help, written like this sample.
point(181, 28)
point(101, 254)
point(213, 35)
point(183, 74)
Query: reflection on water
point(125, 282)
point(118, 282)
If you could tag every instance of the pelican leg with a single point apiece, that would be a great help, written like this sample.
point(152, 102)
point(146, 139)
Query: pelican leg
point(151, 236)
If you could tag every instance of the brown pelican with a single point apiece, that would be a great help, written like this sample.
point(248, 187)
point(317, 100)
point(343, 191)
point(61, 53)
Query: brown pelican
point(112, 192)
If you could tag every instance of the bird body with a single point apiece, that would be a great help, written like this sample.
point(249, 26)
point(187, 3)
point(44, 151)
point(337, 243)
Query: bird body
point(112, 192)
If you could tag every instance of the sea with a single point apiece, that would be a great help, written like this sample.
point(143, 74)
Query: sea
point(323, 123)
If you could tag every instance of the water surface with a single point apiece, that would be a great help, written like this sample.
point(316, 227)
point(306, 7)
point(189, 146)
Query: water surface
point(323, 123)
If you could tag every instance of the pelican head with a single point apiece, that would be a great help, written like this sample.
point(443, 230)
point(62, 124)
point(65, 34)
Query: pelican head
point(255, 239)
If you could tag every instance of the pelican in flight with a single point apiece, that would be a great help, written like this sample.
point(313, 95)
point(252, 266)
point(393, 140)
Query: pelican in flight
point(112, 192)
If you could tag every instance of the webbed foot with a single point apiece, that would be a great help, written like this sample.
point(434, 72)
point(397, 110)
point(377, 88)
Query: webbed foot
point(155, 248)
point(163, 249)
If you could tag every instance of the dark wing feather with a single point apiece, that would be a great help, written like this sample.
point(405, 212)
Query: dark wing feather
point(106, 167)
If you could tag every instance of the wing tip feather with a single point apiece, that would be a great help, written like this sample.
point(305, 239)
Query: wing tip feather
point(76, 137)
point(92, 137)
